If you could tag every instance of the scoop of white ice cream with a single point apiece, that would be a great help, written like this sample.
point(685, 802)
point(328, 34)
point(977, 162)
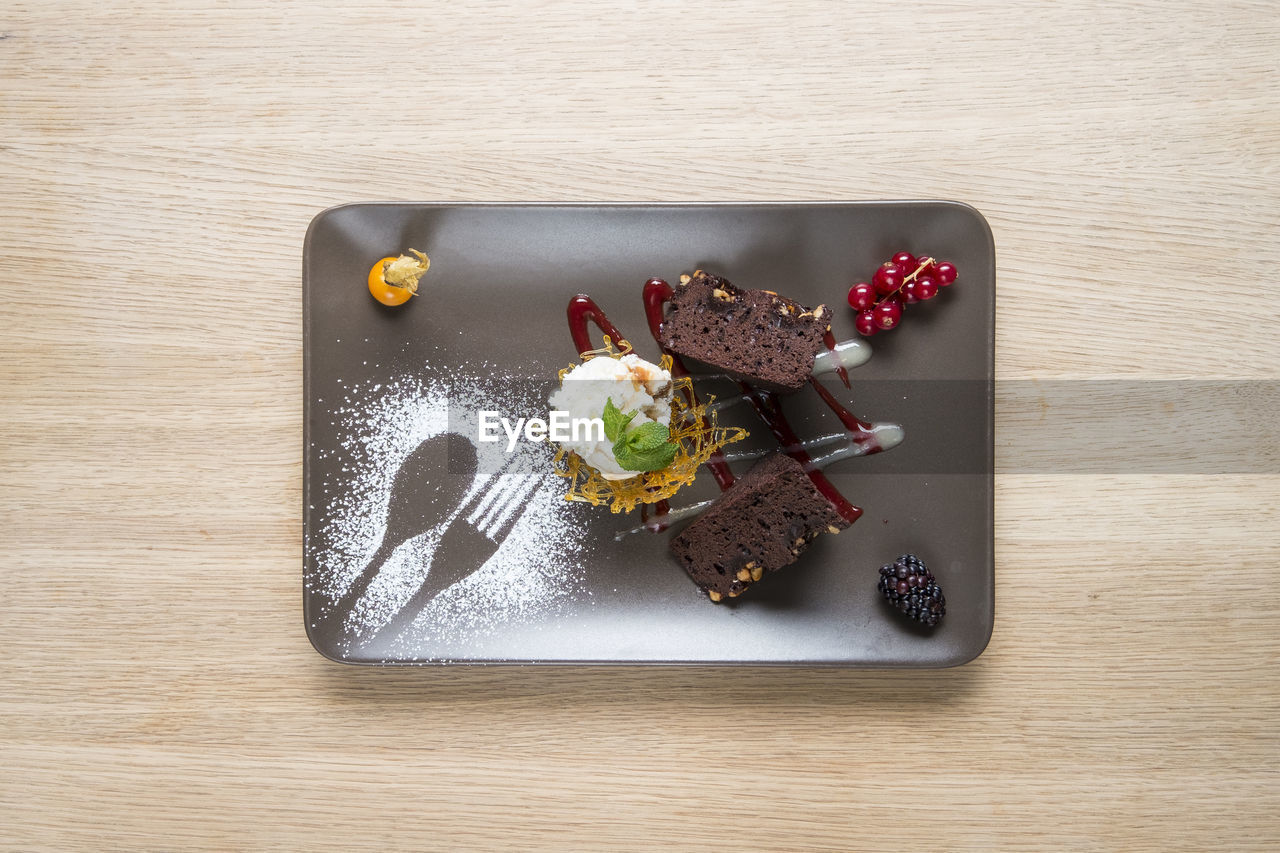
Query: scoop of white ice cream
point(632, 383)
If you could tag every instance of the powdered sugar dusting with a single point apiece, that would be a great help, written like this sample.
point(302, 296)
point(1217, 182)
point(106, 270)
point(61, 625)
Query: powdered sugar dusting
point(515, 502)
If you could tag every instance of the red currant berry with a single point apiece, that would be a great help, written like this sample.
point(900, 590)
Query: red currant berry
point(910, 292)
point(926, 287)
point(925, 269)
point(907, 261)
point(946, 273)
point(888, 313)
point(861, 296)
point(866, 323)
point(888, 278)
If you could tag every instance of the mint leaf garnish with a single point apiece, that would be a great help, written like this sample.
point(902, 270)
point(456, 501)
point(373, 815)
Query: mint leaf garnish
point(648, 447)
point(647, 436)
point(615, 422)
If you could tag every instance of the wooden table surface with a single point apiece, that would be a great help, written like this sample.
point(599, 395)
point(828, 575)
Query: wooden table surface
point(159, 163)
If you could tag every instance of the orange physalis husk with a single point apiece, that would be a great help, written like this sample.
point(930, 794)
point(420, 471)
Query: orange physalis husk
point(693, 428)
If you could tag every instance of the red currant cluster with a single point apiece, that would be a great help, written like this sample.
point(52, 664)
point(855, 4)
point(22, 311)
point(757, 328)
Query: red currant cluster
point(901, 281)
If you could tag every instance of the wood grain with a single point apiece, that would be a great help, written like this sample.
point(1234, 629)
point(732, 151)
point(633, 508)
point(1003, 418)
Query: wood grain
point(159, 164)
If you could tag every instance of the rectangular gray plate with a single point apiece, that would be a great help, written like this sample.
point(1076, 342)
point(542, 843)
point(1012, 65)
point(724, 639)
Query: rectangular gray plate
point(489, 329)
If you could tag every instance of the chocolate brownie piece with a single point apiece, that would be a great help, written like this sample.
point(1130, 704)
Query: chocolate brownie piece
point(755, 335)
point(763, 522)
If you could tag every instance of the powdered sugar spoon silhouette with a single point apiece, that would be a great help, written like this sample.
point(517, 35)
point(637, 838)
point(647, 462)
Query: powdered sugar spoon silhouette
point(427, 489)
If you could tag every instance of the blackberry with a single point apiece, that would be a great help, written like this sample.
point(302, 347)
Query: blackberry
point(912, 589)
